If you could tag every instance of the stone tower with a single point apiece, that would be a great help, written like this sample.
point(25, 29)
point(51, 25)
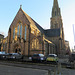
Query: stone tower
point(56, 23)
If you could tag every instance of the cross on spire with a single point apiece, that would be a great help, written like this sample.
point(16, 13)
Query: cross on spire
point(20, 6)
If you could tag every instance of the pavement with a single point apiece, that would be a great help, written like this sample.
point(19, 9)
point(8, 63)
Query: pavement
point(68, 71)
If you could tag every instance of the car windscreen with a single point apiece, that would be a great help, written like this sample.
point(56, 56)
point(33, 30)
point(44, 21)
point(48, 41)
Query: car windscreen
point(41, 55)
point(2, 53)
point(51, 56)
point(73, 55)
point(35, 55)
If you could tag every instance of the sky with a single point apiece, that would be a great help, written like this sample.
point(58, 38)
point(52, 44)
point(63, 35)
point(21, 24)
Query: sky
point(40, 11)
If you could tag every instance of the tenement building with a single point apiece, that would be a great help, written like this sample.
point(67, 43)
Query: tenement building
point(28, 37)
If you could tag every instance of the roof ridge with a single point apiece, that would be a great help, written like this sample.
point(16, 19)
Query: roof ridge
point(32, 21)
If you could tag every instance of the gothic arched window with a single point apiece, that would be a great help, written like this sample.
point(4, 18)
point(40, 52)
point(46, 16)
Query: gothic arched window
point(14, 33)
point(35, 44)
point(55, 13)
point(25, 32)
point(20, 31)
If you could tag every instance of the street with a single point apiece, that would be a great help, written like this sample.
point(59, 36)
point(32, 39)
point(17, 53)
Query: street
point(18, 68)
point(12, 70)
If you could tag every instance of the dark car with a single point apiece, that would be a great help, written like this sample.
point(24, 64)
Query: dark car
point(72, 57)
point(14, 56)
point(38, 57)
point(3, 54)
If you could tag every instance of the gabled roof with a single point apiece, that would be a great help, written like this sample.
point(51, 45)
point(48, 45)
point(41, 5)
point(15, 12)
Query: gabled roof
point(52, 32)
point(66, 41)
point(32, 22)
point(1, 35)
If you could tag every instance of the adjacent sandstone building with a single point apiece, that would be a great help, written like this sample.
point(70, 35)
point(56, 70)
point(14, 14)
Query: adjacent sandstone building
point(1, 39)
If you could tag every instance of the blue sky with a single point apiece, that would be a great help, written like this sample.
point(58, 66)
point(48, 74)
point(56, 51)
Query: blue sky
point(40, 11)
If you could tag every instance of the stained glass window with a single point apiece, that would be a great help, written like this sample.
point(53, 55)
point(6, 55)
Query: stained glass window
point(14, 33)
point(35, 44)
point(25, 32)
point(20, 31)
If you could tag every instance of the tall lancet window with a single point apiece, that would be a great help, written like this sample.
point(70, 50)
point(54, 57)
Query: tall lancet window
point(18, 30)
point(55, 13)
point(14, 33)
point(25, 32)
point(21, 31)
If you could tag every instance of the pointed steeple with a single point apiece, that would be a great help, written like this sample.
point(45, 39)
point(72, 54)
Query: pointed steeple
point(56, 21)
point(55, 9)
point(55, 4)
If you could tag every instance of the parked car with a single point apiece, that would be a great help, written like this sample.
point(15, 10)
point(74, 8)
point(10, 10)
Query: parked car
point(3, 54)
point(72, 57)
point(38, 57)
point(52, 58)
point(14, 56)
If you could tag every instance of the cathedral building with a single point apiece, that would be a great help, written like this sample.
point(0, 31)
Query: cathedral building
point(28, 37)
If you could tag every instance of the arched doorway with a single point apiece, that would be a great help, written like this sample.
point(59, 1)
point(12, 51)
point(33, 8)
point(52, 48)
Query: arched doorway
point(17, 48)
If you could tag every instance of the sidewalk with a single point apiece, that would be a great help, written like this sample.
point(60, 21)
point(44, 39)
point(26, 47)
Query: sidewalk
point(63, 60)
point(68, 71)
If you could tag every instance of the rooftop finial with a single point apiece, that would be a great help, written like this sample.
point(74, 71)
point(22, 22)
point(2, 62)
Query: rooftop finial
point(20, 6)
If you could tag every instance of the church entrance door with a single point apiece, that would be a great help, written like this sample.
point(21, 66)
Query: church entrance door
point(17, 49)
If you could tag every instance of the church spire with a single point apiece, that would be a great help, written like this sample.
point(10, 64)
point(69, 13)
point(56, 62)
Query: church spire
point(55, 4)
point(56, 21)
point(55, 9)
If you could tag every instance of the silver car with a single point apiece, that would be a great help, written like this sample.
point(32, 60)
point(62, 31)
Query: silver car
point(14, 56)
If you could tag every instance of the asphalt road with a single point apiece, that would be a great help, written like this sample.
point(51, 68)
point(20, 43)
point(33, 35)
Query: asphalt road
point(18, 68)
point(12, 70)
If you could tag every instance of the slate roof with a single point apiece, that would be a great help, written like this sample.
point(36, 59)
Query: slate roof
point(66, 41)
point(1, 35)
point(52, 32)
point(48, 32)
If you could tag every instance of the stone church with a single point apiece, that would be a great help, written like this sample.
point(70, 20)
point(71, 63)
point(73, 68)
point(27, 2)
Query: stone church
point(28, 37)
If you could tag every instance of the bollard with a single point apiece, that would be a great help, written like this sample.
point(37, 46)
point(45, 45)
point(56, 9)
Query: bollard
point(59, 68)
point(55, 72)
point(49, 72)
